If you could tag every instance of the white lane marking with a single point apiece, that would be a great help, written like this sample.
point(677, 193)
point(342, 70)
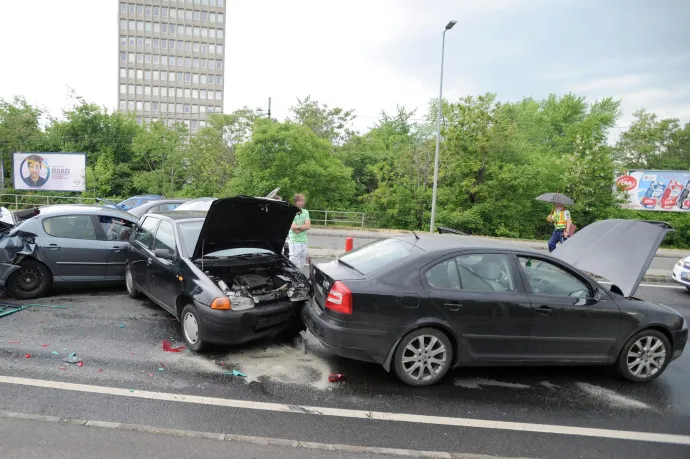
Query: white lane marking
point(474, 383)
point(355, 414)
point(673, 287)
point(611, 397)
point(549, 385)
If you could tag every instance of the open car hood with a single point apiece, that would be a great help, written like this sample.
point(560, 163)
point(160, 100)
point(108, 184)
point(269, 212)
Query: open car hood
point(244, 221)
point(617, 250)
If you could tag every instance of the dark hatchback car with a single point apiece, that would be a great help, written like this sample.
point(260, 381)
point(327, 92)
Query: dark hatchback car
point(424, 305)
point(221, 273)
point(68, 245)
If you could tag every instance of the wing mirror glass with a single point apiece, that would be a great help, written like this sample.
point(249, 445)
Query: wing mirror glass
point(164, 254)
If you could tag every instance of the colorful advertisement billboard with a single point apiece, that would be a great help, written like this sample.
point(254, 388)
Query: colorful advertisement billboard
point(667, 191)
point(50, 171)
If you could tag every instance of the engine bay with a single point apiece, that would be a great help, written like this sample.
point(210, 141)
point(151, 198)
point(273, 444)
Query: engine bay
point(247, 286)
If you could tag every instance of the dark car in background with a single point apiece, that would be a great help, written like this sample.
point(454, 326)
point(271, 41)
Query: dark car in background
point(421, 306)
point(221, 272)
point(74, 245)
point(159, 205)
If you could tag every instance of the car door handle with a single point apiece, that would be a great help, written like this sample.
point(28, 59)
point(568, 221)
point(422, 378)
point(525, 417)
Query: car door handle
point(453, 306)
point(544, 310)
point(116, 249)
point(53, 246)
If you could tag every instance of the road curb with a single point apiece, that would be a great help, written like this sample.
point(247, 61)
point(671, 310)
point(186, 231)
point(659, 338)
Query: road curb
point(264, 441)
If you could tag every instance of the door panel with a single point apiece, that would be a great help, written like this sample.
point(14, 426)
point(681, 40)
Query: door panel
point(572, 322)
point(163, 273)
point(116, 232)
point(72, 249)
point(141, 255)
point(479, 296)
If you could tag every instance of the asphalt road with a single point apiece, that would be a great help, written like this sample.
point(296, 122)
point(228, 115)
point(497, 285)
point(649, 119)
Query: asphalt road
point(127, 378)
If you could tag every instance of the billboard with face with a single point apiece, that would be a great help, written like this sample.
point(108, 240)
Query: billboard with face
point(50, 171)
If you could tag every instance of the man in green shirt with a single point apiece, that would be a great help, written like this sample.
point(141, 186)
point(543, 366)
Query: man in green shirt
point(298, 233)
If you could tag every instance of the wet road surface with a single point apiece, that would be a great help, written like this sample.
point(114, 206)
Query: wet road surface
point(126, 377)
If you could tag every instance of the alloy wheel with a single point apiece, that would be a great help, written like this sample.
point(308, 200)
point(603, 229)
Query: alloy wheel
point(191, 328)
point(28, 280)
point(646, 357)
point(424, 358)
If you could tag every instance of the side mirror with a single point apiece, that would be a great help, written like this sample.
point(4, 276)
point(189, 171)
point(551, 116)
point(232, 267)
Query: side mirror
point(164, 254)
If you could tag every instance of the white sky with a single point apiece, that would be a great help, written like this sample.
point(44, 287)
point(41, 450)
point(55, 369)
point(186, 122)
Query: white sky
point(376, 54)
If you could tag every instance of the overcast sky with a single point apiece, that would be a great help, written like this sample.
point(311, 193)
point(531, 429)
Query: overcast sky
point(371, 55)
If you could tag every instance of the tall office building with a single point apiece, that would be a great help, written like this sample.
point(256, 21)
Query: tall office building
point(170, 60)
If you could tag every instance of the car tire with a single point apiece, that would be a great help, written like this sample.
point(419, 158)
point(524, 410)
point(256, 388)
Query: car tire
point(644, 356)
point(132, 290)
point(189, 321)
point(31, 280)
point(423, 357)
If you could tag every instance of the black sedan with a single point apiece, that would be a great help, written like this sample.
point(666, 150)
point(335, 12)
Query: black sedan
point(424, 305)
point(221, 273)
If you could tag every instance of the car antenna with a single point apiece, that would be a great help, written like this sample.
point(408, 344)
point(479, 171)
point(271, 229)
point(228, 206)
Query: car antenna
point(415, 235)
point(202, 254)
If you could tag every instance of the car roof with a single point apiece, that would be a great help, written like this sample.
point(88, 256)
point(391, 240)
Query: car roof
point(445, 242)
point(178, 215)
point(84, 209)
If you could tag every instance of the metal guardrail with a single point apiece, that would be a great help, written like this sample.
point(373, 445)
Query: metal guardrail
point(319, 217)
point(337, 218)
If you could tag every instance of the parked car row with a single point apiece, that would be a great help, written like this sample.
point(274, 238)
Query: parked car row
point(418, 305)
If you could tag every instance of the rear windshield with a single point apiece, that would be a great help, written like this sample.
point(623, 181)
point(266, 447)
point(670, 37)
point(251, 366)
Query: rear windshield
point(375, 256)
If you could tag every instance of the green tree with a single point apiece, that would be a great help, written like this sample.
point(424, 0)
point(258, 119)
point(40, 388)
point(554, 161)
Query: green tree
point(292, 157)
point(158, 158)
point(645, 145)
point(19, 129)
point(332, 124)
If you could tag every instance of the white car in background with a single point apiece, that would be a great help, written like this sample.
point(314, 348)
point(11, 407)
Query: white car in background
point(681, 272)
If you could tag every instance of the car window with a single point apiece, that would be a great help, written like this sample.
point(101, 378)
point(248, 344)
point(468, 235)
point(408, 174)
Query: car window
point(372, 257)
point(547, 278)
point(128, 203)
point(71, 227)
point(165, 237)
point(145, 232)
point(189, 234)
point(115, 229)
point(167, 207)
point(487, 272)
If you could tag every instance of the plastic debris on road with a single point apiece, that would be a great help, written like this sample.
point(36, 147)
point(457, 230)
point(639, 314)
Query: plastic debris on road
point(71, 359)
point(122, 325)
point(234, 373)
point(28, 356)
point(161, 369)
point(150, 374)
point(55, 353)
point(13, 341)
point(335, 377)
point(167, 347)
point(45, 345)
point(131, 390)
point(100, 370)
point(80, 363)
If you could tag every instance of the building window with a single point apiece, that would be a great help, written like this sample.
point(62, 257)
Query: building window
point(212, 49)
point(196, 47)
point(212, 33)
point(123, 89)
point(171, 76)
point(123, 8)
point(148, 26)
point(147, 106)
point(195, 93)
point(123, 73)
point(147, 43)
point(195, 78)
point(140, 26)
point(130, 105)
point(171, 108)
point(204, 48)
point(204, 63)
point(156, 75)
point(156, 59)
point(147, 75)
point(147, 90)
point(180, 76)
point(154, 106)
point(219, 49)
point(173, 13)
point(219, 109)
point(147, 58)
point(132, 42)
point(197, 32)
point(221, 3)
point(156, 11)
point(213, 2)
point(219, 64)
point(221, 17)
point(179, 92)
point(188, 77)
point(180, 61)
point(171, 92)
point(186, 30)
point(189, 15)
point(220, 33)
point(156, 91)
point(219, 79)
point(180, 45)
point(211, 64)
point(147, 11)
point(140, 90)
point(197, 15)
point(164, 28)
point(156, 27)
point(186, 108)
point(140, 106)
point(140, 42)
point(202, 124)
point(195, 124)
point(131, 8)
point(195, 62)
point(123, 56)
point(140, 9)
point(188, 46)
point(171, 60)
point(204, 32)
point(156, 43)
point(123, 41)
point(204, 2)
point(179, 108)
point(219, 95)
point(211, 94)
point(130, 73)
point(140, 74)
point(131, 58)
point(213, 17)
point(202, 93)
point(203, 79)
point(123, 24)
point(164, 44)
point(164, 12)
point(187, 62)
point(204, 16)
point(195, 109)
point(187, 93)
point(132, 25)
point(123, 105)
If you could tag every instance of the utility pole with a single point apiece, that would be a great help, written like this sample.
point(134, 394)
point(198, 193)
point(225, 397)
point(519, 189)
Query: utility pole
point(269, 108)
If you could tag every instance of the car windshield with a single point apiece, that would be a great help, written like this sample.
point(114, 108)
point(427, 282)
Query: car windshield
point(189, 235)
point(372, 257)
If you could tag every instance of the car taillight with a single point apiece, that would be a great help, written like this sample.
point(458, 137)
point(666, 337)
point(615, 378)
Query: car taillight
point(339, 299)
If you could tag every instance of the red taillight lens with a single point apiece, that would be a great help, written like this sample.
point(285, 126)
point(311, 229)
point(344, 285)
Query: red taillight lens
point(339, 299)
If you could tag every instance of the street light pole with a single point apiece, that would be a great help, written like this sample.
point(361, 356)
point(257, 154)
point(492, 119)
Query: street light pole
point(438, 128)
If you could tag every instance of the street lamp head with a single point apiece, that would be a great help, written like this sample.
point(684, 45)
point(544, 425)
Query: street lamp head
point(451, 24)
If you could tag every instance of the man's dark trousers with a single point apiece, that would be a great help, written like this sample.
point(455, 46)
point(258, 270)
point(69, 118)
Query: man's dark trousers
point(556, 237)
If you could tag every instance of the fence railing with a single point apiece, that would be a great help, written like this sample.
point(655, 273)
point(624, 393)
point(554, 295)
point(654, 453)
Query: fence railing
point(336, 218)
point(318, 217)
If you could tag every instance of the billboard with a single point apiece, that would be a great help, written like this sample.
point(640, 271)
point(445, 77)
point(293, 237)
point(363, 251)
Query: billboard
point(667, 191)
point(50, 171)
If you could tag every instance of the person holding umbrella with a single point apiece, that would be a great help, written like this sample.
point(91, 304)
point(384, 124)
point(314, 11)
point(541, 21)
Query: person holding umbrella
point(560, 217)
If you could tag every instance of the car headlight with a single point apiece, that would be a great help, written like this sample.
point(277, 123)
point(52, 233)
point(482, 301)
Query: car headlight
point(240, 302)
